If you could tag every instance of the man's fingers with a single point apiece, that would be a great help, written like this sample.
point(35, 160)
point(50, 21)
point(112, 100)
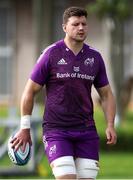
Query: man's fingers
point(13, 140)
point(23, 147)
point(111, 139)
point(30, 142)
point(17, 146)
point(108, 135)
point(114, 139)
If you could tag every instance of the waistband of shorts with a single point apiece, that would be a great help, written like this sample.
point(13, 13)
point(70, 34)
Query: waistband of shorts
point(90, 128)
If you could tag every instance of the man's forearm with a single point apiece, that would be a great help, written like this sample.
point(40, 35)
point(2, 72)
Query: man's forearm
point(109, 108)
point(27, 103)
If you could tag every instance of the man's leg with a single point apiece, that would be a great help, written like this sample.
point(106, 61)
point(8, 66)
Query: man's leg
point(59, 151)
point(86, 168)
point(64, 168)
point(65, 177)
point(87, 153)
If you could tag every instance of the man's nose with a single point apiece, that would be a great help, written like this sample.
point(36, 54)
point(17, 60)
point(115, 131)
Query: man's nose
point(81, 27)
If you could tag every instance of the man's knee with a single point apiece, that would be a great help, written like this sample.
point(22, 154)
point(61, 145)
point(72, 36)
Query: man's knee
point(64, 166)
point(87, 168)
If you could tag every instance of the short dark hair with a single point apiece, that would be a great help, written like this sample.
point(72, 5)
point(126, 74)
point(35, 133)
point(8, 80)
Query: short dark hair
point(73, 11)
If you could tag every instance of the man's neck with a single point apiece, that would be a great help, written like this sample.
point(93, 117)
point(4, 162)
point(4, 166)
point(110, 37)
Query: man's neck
point(74, 46)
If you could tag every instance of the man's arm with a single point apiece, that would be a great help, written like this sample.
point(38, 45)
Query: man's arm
point(27, 100)
point(109, 108)
point(27, 103)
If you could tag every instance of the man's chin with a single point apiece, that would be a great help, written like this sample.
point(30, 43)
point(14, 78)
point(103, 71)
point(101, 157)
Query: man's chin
point(80, 39)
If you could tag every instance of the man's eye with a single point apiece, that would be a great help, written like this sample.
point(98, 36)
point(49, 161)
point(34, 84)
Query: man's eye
point(75, 24)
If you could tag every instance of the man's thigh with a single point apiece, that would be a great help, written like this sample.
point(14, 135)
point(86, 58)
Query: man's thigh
point(60, 152)
point(87, 155)
point(86, 168)
point(64, 168)
point(87, 145)
point(57, 145)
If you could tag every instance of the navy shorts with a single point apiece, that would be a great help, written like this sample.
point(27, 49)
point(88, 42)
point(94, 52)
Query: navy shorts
point(83, 144)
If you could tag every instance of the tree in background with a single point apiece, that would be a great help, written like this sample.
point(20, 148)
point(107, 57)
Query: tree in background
point(117, 12)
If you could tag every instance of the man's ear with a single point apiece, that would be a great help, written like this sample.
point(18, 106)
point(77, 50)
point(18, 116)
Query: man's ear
point(64, 27)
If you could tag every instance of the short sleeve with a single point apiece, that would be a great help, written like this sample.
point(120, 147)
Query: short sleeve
point(40, 72)
point(101, 78)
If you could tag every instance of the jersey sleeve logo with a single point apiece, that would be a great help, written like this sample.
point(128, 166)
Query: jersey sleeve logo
point(62, 62)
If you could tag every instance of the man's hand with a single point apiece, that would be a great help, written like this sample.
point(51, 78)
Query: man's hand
point(21, 138)
point(111, 135)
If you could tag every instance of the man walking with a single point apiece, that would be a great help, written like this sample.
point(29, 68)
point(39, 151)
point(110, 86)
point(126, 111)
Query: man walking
point(69, 68)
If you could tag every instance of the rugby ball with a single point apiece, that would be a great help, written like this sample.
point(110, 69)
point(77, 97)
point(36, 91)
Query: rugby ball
point(19, 157)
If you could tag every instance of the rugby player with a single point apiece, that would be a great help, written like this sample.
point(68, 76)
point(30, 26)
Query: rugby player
point(69, 68)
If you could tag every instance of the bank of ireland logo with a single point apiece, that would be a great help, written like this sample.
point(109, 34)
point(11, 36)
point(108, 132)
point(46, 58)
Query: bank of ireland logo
point(89, 61)
point(52, 150)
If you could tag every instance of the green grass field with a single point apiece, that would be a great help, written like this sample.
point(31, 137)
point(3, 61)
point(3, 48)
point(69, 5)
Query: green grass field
point(112, 166)
point(116, 165)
